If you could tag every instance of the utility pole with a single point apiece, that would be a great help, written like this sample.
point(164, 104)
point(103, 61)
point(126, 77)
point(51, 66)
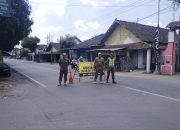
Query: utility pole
point(158, 12)
point(48, 38)
point(174, 9)
point(51, 38)
point(137, 20)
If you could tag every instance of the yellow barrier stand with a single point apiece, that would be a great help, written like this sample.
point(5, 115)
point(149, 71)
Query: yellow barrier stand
point(85, 68)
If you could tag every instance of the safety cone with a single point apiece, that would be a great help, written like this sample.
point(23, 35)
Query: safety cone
point(70, 77)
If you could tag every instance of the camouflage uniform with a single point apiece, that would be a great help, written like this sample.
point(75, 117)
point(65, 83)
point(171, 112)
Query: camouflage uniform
point(99, 67)
point(63, 63)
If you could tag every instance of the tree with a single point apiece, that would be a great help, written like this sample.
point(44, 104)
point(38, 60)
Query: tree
point(67, 41)
point(24, 52)
point(177, 1)
point(30, 43)
point(17, 26)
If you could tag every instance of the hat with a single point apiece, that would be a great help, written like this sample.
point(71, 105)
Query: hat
point(81, 57)
point(99, 53)
point(64, 54)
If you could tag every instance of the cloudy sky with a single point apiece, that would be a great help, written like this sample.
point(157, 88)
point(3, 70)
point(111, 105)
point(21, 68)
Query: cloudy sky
point(87, 18)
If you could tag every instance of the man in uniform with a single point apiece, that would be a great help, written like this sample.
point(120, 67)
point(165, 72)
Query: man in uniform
point(80, 59)
point(111, 67)
point(63, 63)
point(99, 67)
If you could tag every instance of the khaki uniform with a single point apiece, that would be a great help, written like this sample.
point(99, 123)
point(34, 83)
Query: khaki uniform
point(99, 67)
point(63, 63)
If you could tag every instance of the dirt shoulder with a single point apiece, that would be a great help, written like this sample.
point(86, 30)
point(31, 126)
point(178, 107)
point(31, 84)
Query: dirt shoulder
point(13, 86)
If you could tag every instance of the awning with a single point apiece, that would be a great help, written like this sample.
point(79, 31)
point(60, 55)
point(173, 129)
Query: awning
point(109, 49)
point(5, 53)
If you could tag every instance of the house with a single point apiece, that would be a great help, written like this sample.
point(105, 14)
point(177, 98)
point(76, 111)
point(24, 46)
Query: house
point(135, 42)
point(83, 49)
point(53, 51)
point(131, 42)
point(40, 49)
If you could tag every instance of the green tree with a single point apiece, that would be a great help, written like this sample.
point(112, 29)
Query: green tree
point(30, 43)
point(67, 41)
point(177, 1)
point(17, 26)
point(24, 52)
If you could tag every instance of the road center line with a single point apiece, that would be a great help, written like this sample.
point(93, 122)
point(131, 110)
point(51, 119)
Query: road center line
point(37, 82)
point(154, 94)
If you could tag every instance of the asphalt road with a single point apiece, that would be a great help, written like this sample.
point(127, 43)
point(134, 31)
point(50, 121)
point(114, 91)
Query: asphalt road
point(135, 103)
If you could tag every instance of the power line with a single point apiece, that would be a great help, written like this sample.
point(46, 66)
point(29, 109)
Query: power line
point(153, 14)
point(162, 11)
point(131, 6)
point(81, 5)
point(123, 11)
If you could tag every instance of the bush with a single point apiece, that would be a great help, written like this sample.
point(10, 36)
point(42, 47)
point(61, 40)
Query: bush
point(24, 52)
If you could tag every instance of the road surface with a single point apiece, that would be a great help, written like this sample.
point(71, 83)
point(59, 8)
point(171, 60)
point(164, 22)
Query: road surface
point(135, 103)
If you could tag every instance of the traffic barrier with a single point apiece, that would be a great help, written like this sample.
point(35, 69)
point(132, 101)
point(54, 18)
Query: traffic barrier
point(70, 78)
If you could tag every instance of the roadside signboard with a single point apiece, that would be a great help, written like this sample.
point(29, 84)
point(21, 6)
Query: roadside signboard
point(5, 7)
point(85, 67)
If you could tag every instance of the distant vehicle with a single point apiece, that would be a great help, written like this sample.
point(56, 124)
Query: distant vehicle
point(5, 70)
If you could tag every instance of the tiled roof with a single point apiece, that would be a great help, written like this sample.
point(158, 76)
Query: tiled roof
point(55, 45)
point(144, 32)
point(133, 46)
point(95, 41)
point(174, 25)
point(41, 47)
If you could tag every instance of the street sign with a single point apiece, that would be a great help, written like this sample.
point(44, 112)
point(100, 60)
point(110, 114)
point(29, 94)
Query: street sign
point(85, 67)
point(5, 7)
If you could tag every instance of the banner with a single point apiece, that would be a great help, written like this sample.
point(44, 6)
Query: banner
point(5, 7)
point(85, 67)
point(156, 49)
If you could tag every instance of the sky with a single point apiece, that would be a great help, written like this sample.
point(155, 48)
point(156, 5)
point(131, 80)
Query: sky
point(88, 18)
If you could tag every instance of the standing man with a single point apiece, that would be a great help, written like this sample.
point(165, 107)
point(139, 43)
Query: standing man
point(111, 67)
point(63, 63)
point(81, 59)
point(99, 67)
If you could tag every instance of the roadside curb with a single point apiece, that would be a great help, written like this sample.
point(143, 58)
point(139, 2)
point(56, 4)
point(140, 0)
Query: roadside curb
point(38, 84)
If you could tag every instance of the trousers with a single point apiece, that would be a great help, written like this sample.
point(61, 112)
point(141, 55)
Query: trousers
point(63, 73)
point(110, 70)
point(98, 71)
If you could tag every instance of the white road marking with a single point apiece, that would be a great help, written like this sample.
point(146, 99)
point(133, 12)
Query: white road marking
point(154, 94)
point(39, 83)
